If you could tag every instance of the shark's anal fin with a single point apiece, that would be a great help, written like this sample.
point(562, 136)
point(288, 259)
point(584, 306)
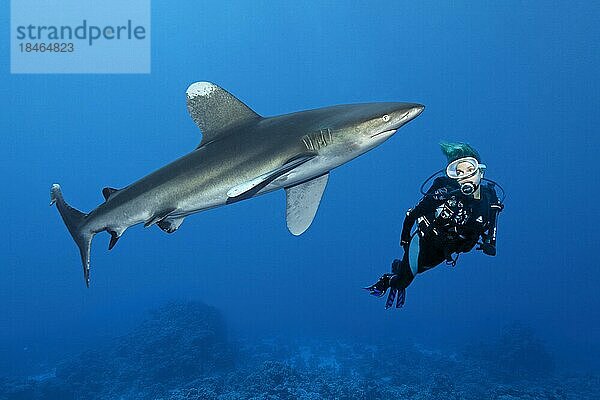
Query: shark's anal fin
point(250, 188)
point(159, 216)
point(108, 191)
point(302, 203)
point(170, 225)
point(215, 110)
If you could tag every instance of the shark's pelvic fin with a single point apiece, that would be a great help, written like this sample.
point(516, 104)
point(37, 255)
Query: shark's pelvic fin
point(114, 237)
point(170, 225)
point(251, 187)
point(215, 110)
point(107, 191)
point(158, 217)
point(302, 203)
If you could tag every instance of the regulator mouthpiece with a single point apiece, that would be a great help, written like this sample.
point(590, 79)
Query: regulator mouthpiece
point(467, 188)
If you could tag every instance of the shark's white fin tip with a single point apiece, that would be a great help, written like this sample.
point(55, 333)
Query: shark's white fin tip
point(54, 193)
point(200, 89)
point(215, 110)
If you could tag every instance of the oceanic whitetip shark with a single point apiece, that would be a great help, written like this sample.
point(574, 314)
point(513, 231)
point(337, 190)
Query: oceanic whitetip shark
point(241, 155)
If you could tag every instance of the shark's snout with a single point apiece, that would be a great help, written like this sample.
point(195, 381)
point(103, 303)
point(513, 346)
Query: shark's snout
point(410, 113)
point(407, 114)
point(402, 117)
point(417, 110)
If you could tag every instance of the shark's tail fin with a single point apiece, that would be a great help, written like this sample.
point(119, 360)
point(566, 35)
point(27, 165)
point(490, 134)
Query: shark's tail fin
point(73, 220)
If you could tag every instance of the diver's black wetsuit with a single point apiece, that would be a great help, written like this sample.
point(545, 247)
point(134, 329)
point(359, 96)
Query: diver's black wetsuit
point(448, 222)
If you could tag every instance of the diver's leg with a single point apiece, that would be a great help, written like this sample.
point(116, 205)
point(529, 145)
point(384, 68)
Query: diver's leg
point(430, 255)
point(399, 268)
point(404, 272)
point(419, 256)
point(402, 276)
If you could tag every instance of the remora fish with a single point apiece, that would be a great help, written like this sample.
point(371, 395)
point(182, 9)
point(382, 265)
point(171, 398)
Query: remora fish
point(241, 155)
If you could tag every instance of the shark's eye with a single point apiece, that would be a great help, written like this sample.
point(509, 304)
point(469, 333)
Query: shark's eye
point(386, 118)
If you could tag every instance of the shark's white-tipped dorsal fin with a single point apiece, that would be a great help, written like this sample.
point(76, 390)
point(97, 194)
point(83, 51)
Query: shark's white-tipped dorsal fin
point(302, 203)
point(215, 110)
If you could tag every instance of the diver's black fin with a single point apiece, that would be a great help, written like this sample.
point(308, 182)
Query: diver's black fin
point(391, 297)
point(401, 298)
point(107, 191)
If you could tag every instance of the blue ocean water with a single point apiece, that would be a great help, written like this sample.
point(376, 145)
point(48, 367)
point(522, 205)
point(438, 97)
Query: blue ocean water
point(517, 80)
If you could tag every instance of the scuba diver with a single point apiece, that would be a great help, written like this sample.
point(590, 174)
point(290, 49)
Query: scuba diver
point(457, 210)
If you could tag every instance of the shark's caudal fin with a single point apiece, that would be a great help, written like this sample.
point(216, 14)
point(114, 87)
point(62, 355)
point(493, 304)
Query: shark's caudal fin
point(215, 110)
point(73, 220)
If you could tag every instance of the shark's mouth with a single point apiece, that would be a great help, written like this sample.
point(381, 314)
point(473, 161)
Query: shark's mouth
point(384, 133)
point(402, 121)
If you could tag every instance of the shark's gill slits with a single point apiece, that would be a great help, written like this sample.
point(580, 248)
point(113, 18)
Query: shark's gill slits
point(317, 140)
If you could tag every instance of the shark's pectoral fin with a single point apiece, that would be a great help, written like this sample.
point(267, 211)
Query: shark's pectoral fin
point(250, 188)
point(170, 225)
point(214, 109)
point(108, 191)
point(302, 202)
point(159, 216)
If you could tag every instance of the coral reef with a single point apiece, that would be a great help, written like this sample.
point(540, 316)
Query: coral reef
point(516, 355)
point(181, 353)
point(175, 345)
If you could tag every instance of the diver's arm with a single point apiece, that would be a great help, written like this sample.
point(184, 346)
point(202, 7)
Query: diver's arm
point(488, 244)
point(426, 204)
point(409, 221)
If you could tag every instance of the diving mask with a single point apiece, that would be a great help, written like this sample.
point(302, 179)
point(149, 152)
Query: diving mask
point(463, 170)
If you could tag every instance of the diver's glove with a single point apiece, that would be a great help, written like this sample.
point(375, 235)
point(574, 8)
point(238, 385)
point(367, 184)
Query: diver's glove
point(381, 286)
point(487, 248)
